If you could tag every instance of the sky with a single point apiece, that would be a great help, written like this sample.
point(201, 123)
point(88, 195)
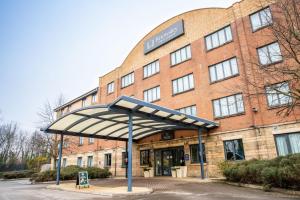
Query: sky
point(54, 47)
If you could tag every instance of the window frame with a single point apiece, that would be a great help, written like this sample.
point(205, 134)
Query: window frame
point(179, 49)
point(225, 78)
point(288, 142)
point(81, 141)
point(83, 102)
point(184, 91)
point(264, 26)
point(88, 159)
point(225, 153)
point(113, 88)
point(266, 45)
point(277, 94)
point(147, 158)
point(210, 34)
point(64, 162)
point(105, 160)
point(147, 65)
point(124, 159)
point(147, 90)
point(91, 140)
point(130, 83)
point(198, 150)
point(94, 98)
point(193, 105)
point(79, 158)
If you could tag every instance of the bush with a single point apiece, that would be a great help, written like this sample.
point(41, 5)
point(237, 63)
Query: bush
point(283, 171)
point(70, 173)
point(17, 174)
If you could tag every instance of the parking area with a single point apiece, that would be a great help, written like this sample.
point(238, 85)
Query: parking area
point(163, 189)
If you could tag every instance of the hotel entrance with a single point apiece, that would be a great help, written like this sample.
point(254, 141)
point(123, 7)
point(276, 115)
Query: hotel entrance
point(165, 159)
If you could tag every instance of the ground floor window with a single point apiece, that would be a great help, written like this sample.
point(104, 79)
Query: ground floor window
point(124, 159)
point(234, 150)
point(195, 151)
point(144, 157)
point(79, 161)
point(90, 161)
point(107, 160)
point(64, 164)
point(287, 143)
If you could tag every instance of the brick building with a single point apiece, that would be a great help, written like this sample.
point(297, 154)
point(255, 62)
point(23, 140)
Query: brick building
point(196, 62)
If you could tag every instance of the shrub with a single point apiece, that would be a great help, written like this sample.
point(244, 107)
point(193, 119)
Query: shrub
point(17, 174)
point(283, 171)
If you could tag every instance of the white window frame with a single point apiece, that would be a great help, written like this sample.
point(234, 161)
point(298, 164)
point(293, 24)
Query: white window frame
point(83, 102)
point(213, 75)
point(81, 161)
point(217, 34)
point(266, 51)
point(127, 80)
point(232, 108)
point(110, 87)
point(80, 140)
point(181, 55)
point(280, 98)
point(91, 140)
point(152, 94)
point(151, 69)
point(263, 22)
point(189, 110)
point(90, 160)
point(180, 82)
point(106, 160)
point(94, 98)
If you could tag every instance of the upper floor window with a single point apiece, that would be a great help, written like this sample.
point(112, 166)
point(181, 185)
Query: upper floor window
point(83, 102)
point(195, 152)
point(223, 70)
point(276, 94)
point(228, 106)
point(152, 94)
point(288, 143)
point(182, 84)
point(66, 143)
point(190, 110)
point(91, 140)
point(151, 69)
point(181, 55)
point(269, 54)
point(80, 140)
point(110, 87)
point(127, 80)
point(107, 160)
point(218, 38)
point(261, 19)
point(234, 150)
point(94, 98)
point(90, 161)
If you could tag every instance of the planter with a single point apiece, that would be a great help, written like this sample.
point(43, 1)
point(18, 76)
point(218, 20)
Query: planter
point(179, 173)
point(174, 174)
point(146, 174)
point(183, 171)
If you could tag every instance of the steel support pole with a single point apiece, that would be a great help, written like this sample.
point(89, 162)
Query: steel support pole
point(129, 179)
point(126, 157)
point(200, 131)
point(59, 158)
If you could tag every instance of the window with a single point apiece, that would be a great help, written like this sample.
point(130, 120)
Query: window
point(91, 140)
point(223, 70)
point(151, 69)
point(110, 87)
point(107, 160)
point(79, 161)
point(183, 84)
point(228, 106)
point(269, 54)
point(90, 161)
point(124, 159)
point(218, 38)
point(181, 55)
point(234, 150)
point(144, 157)
point(64, 164)
point(66, 143)
point(68, 108)
point(127, 80)
point(190, 110)
point(194, 149)
point(94, 98)
point(152, 94)
point(84, 102)
point(287, 143)
point(275, 94)
point(261, 19)
point(80, 140)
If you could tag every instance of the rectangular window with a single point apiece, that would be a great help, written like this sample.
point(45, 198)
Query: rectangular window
point(124, 159)
point(110, 87)
point(195, 152)
point(152, 94)
point(107, 160)
point(223, 70)
point(94, 98)
point(80, 140)
point(218, 38)
point(66, 143)
point(64, 164)
point(269, 54)
point(287, 143)
point(151, 69)
point(183, 84)
point(276, 94)
point(181, 55)
point(228, 106)
point(83, 102)
point(234, 150)
point(127, 80)
point(79, 161)
point(261, 19)
point(90, 161)
point(190, 110)
point(91, 140)
point(144, 157)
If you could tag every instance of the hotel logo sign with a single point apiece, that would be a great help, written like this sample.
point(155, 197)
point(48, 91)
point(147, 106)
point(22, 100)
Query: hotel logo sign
point(163, 37)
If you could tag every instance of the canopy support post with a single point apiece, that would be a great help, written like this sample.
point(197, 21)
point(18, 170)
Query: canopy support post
point(59, 158)
point(129, 179)
point(126, 159)
point(200, 131)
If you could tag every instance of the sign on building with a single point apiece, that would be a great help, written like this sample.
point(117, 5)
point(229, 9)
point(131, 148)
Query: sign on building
point(82, 179)
point(163, 37)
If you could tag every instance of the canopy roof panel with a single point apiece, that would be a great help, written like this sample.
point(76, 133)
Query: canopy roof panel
point(111, 121)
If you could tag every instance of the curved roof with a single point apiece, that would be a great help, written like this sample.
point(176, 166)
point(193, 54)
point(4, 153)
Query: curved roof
point(111, 121)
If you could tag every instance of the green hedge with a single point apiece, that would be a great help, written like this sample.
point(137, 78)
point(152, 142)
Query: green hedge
point(17, 174)
point(70, 173)
point(283, 171)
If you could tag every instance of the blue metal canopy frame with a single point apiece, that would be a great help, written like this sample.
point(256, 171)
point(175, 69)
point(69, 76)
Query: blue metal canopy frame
point(126, 119)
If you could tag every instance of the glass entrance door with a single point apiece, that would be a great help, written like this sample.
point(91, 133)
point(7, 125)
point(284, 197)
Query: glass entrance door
point(166, 162)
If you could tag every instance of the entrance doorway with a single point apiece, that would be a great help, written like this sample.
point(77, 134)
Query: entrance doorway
point(165, 159)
